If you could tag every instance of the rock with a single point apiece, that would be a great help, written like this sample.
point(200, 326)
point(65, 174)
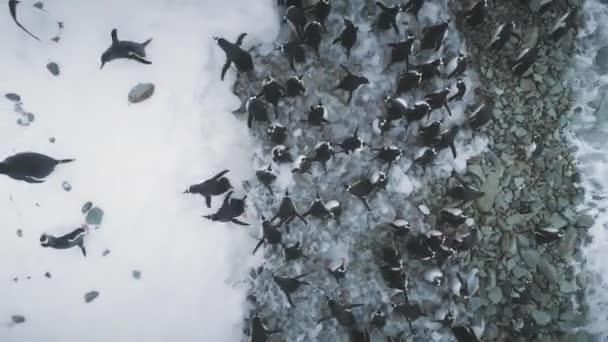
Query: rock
point(557, 221)
point(547, 270)
point(490, 188)
point(47, 275)
point(136, 274)
point(13, 97)
point(519, 272)
point(531, 257)
point(39, 5)
point(541, 317)
point(566, 287)
point(141, 92)
point(86, 207)
point(53, 68)
point(94, 216)
point(585, 221)
point(105, 252)
point(495, 295)
point(424, 210)
point(475, 303)
point(18, 319)
point(66, 186)
point(601, 59)
point(19, 233)
point(567, 243)
point(527, 85)
point(90, 296)
point(52, 140)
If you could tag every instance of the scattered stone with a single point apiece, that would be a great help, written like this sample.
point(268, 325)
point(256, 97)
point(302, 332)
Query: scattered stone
point(48, 275)
point(548, 270)
point(19, 233)
point(39, 5)
point(18, 319)
point(86, 207)
point(495, 295)
point(424, 209)
point(541, 317)
point(567, 243)
point(585, 221)
point(141, 92)
point(601, 58)
point(90, 296)
point(566, 287)
point(52, 140)
point(13, 97)
point(136, 274)
point(475, 303)
point(66, 186)
point(527, 85)
point(105, 252)
point(557, 221)
point(94, 216)
point(531, 257)
point(53, 68)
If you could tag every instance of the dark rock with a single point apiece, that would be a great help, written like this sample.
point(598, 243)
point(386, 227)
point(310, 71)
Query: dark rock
point(18, 319)
point(94, 216)
point(90, 296)
point(141, 92)
point(53, 68)
point(105, 252)
point(66, 186)
point(601, 59)
point(48, 275)
point(52, 140)
point(585, 221)
point(19, 233)
point(13, 97)
point(136, 274)
point(86, 207)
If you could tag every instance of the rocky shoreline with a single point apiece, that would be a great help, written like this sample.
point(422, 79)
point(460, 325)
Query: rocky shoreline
point(526, 292)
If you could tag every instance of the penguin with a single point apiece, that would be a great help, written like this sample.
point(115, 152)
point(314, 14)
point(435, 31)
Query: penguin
point(338, 272)
point(323, 153)
point(296, 17)
point(289, 3)
point(361, 189)
point(341, 312)
point(277, 133)
point(317, 209)
point(563, 25)
point(447, 139)
point(214, 186)
point(408, 81)
point(545, 236)
point(395, 108)
point(125, 49)
point(229, 211)
point(295, 53)
point(12, 6)
point(281, 154)
point(348, 37)
point(395, 278)
point(465, 242)
point(321, 11)
point(317, 115)
point(461, 65)
point(391, 257)
point(433, 36)
point(400, 52)
point(352, 144)
point(235, 54)
point(430, 69)
point(266, 176)
point(434, 239)
point(388, 154)
point(30, 167)
point(501, 36)
point(358, 335)
point(259, 331)
point(535, 149)
point(73, 239)
point(464, 334)
point(379, 180)
point(418, 249)
point(453, 216)
point(464, 193)
point(387, 17)
point(294, 86)
point(417, 112)
point(461, 89)
point(272, 91)
point(439, 99)
point(425, 157)
point(544, 6)
point(410, 311)
point(381, 125)
point(476, 14)
point(433, 276)
point(481, 115)
point(350, 83)
point(413, 7)
point(400, 228)
point(303, 165)
point(312, 36)
point(445, 317)
point(290, 285)
point(378, 319)
point(294, 252)
point(270, 235)
point(429, 134)
point(287, 211)
point(256, 111)
point(524, 61)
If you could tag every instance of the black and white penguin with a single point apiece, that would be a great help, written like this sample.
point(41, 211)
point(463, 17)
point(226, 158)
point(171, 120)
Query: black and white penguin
point(379, 180)
point(352, 144)
point(335, 209)
point(361, 189)
point(429, 134)
point(348, 37)
point(259, 330)
point(295, 53)
point(277, 133)
point(294, 252)
point(229, 211)
point(418, 249)
point(524, 60)
point(433, 276)
point(544, 6)
point(388, 155)
point(256, 111)
point(408, 81)
point(303, 164)
point(564, 24)
point(30, 167)
point(464, 334)
point(266, 176)
point(430, 69)
point(73, 239)
point(439, 99)
point(425, 157)
point(400, 228)
point(296, 17)
point(12, 6)
point(214, 186)
point(323, 153)
point(462, 63)
point(320, 11)
point(235, 54)
point(410, 311)
point(413, 7)
point(281, 154)
point(545, 236)
point(351, 82)
point(294, 86)
point(395, 108)
point(272, 91)
point(446, 139)
point(317, 209)
point(378, 319)
point(535, 149)
point(433, 36)
point(390, 256)
point(289, 285)
point(463, 193)
point(418, 111)
point(461, 89)
point(481, 115)
point(465, 241)
point(287, 211)
point(381, 125)
point(338, 272)
point(125, 49)
point(312, 36)
point(317, 115)
point(341, 312)
point(270, 235)
point(400, 52)
point(476, 14)
point(387, 17)
point(502, 34)
point(395, 278)
point(452, 216)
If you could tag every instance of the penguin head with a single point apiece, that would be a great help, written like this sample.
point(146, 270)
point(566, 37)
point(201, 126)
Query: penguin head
point(363, 80)
point(212, 217)
point(105, 57)
point(387, 98)
point(3, 168)
point(44, 240)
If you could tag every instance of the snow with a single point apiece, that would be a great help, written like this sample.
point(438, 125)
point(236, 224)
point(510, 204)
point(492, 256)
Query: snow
point(133, 161)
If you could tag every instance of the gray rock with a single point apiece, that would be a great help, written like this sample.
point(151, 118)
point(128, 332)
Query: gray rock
point(141, 92)
point(53, 68)
point(601, 59)
point(105, 252)
point(557, 221)
point(66, 186)
point(18, 319)
point(527, 85)
point(86, 207)
point(541, 317)
point(585, 221)
point(13, 97)
point(136, 274)
point(547, 270)
point(566, 287)
point(531, 257)
point(567, 243)
point(495, 295)
point(94, 216)
point(90, 296)
point(48, 275)
point(490, 188)
point(475, 303)
point(52, 140)
point(519, 272)
point(19, 233)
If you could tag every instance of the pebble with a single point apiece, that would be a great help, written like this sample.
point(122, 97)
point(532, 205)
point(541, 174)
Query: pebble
point(94, 216)
point(424, 209)
point(90, 296)
point(141, 92)
point(66, 186)
point(13, 97)
point(86, 207)
point(48, 275)
point(52, 140)
point(495, 295)
point(136, 274)
point(18, 319)
point(105, 252)
point(19, 233)
point(557, 221)
point(531, 257)
point(527, 85)
point(53, 68)
point(585, 221)
point(601, 59)
point(541, 317)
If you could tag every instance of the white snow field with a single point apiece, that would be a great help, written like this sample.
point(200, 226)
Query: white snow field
point(133, 161)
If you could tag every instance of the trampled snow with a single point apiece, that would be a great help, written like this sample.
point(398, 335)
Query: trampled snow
point(133, 161)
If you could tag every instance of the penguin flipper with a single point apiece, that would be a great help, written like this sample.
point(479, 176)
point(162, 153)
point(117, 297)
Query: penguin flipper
point(27, 179)
point(84, 250)
point(365, 203)
point(139, 58)
point(114, 36)
point(289, 300)
point(350, 97)
point(221, 174)
point(260, 243)
point(302, 218)
point(208, 201)
point(239, 222)
point(225, 68)
point(239, 40)
point(453, 148)
point(448, 108)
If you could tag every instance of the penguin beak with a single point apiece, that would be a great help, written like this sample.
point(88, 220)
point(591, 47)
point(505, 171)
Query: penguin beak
point(186, 192)
point(102, 64)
